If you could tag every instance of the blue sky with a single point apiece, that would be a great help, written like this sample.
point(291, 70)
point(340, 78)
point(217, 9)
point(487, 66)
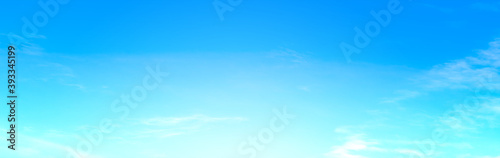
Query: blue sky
point(425, 86)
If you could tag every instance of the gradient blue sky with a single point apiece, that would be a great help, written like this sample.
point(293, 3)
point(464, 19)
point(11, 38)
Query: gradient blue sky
point(226, 78)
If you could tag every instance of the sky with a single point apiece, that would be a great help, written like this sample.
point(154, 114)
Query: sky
point(254, 79)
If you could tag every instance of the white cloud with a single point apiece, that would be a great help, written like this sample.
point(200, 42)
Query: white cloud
point(164, 127)
point(166, 121)
point(36, 147)
point(465, 122)
point(402, 95)
point(353, 144)
point(468, 72)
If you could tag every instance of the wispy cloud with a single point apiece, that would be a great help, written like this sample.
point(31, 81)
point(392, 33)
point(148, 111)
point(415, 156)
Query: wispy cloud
point(79, 86)
point(480, 71)
point(402, 95)
point(59, 73)
point(25, 46)
point(168, 121)
point(491, 7)
point(467, 72)
point(164, 127)
point(354, 143)
point(463, 120)
point(38, 147)
point(289, 55)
